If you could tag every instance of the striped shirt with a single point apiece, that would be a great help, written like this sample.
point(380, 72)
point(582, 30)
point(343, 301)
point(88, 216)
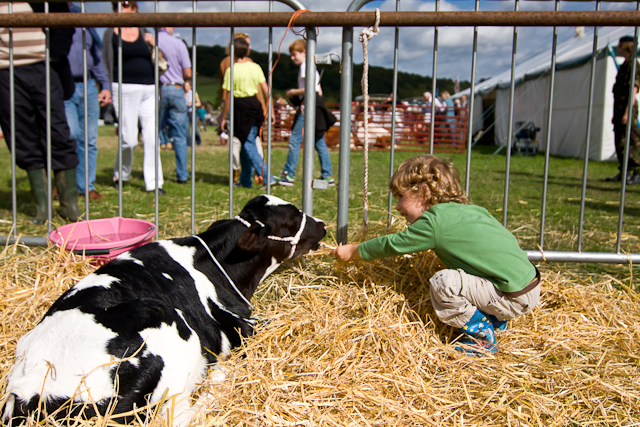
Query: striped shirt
point(28, 43)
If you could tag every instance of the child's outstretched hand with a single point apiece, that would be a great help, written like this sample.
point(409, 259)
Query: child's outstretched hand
point(346, 253)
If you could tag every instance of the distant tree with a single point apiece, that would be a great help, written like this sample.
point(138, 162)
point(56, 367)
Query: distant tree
point(286, 73)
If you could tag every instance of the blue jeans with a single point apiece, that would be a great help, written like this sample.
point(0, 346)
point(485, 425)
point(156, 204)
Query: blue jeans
point(295, 141)
point(250, 159)
point(173, 108)
point(198, 139)
point(74, 109)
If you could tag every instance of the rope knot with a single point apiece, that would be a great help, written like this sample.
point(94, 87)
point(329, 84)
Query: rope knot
point(369, 33)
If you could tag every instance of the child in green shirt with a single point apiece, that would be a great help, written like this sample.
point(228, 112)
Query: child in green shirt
point(488, 279)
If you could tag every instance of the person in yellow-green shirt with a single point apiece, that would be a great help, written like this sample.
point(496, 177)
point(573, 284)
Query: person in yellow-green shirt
point(488, 280)
point(248, 114)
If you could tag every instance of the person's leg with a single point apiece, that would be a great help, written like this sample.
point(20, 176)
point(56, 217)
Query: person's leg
point(251, 151)
point(462, 301)
point(295, 141)
point(128, 120)
point(178, 128)
point(325, 158)
point(148, 124)
point(93, 109)
point(245, 168)
point(74, 111)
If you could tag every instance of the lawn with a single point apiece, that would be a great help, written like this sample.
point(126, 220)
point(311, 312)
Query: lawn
point(211, 196)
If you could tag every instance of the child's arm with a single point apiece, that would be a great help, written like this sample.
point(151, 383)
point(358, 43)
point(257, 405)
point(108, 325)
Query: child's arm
point(346, 253)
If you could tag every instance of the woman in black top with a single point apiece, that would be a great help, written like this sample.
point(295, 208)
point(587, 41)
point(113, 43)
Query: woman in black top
point(138, 97)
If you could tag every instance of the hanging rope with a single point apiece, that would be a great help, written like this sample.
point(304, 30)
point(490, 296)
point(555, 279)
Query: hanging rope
point(366, 35)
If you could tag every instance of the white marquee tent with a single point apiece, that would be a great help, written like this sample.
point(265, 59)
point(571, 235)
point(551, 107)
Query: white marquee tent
point(570, 100)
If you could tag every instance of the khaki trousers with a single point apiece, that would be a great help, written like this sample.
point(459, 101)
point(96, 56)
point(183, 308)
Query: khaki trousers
point(456, 295)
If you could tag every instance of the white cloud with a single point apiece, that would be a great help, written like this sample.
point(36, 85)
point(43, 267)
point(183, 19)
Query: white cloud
point(415, 44)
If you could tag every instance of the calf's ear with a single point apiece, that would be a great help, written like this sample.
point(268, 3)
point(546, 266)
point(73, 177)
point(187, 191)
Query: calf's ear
point(255, 238)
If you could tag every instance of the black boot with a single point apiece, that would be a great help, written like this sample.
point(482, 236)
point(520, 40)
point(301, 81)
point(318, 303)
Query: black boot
point(68, 193)
point(38, 181)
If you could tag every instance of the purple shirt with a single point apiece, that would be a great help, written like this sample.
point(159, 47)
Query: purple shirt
point(94, 57)
point(177, 55)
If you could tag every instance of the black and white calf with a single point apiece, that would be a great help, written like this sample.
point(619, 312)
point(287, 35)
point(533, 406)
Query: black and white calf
point(148, 323)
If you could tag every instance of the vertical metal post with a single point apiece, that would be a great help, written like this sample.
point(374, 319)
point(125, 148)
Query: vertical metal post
point(119, 114)
point(433, 85)
point(547, 154)
point(309, 111)
point(85, 95)
point(394, 98)
point(156, 143)
point(346, 87)
point(12, 142)
point(230, 126)
point(512, 89)
point(48, 114)
point(269, 103)
point(470, 103)
point(194, 120)
point(585, 169)
point(625, 167)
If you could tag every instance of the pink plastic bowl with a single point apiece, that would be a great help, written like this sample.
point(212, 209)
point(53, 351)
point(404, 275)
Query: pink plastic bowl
point(103, 239)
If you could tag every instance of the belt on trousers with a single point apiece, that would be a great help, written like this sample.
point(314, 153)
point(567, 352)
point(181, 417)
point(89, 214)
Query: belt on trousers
point(176, 84)
point(535, 282)
point(81, 78)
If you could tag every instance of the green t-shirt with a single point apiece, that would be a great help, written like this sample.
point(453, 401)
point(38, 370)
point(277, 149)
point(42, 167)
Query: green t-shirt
point(464, 237)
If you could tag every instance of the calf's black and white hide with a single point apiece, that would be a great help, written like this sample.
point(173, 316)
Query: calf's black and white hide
point(148, 323)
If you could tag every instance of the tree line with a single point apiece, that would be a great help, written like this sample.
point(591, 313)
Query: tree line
point(285, 75)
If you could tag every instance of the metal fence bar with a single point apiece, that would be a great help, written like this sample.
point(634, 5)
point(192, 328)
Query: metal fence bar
point(627, 133)
point(585, 168)
point(194, 120)
point(12, 142)
point(547, 152)
point(309, 122)
point(85, 106)
point(330, 19)
point(512, 90)
point(394, 108)
point(344, 161)
point(471, 101)
point(231, 113)
point(48, 120)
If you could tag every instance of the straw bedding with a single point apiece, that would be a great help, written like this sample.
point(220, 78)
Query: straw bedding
point(359, 344)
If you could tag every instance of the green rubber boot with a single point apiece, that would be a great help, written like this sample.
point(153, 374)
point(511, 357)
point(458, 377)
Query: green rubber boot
point(68, 193)
point(38, 181)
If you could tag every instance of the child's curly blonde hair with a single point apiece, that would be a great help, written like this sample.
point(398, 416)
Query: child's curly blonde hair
point(431, 178)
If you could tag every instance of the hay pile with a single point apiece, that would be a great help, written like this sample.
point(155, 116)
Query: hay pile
point(358, 344)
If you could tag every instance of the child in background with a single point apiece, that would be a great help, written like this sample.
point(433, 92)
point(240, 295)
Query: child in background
point(324, 120)
point(488, 279)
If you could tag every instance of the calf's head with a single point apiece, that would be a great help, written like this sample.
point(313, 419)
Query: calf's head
point(279, 228)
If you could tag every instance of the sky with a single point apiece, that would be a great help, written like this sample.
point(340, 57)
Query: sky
point(415, 53)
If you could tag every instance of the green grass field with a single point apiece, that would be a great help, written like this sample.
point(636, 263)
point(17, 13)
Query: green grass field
point(211, 196)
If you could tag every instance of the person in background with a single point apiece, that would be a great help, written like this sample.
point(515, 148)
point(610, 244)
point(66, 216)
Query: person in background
point(96, 98)
point(237, 145)
point(173, 106)
point(621, 114)
point(248, 114)
point(138, 98)
point(188, 96)
point(324, 120)
point(488, 278)
point(30, 103)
